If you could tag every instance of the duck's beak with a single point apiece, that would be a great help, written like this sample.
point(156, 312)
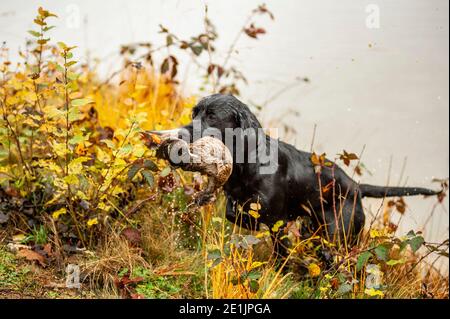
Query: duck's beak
point(166, 134)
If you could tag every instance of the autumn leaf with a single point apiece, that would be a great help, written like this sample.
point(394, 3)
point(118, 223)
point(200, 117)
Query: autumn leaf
point(314, 270)
point(81, 102)
point(253, 31)
point(254, 213)
point(31, 256)
point(92, 222)
point(372, 292)
point(58, 213)
point(347, 157)
point(277, 226)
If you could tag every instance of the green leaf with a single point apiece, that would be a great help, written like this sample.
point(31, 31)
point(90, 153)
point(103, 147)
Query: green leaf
point(62, 45)
point(393, 262)
point(254, 274)
point(165, 171)
point(416, 242)
point(109, 143)
point(403, 245)
point(72, 76)
point(35, 33)
point(148, 177)
point(125, 150)
point(169, 40)
point(411, 233)
point(214, 254)
point(70, 63)
point(134, 169)
point(74, 113)
point(382, 252)
point(149, 164)
point(48, 28)
point(254, 286)
point(362, 260)
point(81, 102)
point(78, 138)
point(197, 49)
point(59, 68)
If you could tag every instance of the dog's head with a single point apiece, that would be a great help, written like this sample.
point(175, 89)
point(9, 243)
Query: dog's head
point(214, 114)
point(220, 112)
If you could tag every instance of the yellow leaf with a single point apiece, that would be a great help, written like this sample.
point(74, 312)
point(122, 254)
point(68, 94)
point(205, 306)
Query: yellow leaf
point(71, 179)
point(263, 234)
point(53, 112)
point(257, 264)
point(254, 213)
point(373, 292)
point(138, 150)
point(76, 165)
point(103, 206)
point(314, 270)
point(374, 233)
point(92, 222)
point(58, 213)
point(59, 148)
point(18, 238)
point(103, 156)
point(255, 206)
point(141, 87)
point(277, 226)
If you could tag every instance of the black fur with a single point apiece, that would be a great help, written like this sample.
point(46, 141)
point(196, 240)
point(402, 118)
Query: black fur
point(293, 190)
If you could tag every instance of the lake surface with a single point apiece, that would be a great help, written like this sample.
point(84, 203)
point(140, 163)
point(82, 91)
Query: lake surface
point(385, 88)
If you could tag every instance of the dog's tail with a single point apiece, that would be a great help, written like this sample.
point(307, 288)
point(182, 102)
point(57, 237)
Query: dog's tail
point(386, 191)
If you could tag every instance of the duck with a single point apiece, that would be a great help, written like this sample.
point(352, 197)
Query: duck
point(208, 155)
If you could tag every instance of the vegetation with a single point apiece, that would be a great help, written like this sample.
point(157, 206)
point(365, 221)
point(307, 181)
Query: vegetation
point(78, 186)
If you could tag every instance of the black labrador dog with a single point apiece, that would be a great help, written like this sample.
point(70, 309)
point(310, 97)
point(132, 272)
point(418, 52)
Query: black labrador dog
point(283, 180)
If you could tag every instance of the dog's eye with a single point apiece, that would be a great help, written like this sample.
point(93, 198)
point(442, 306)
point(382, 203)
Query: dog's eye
point(211, 116)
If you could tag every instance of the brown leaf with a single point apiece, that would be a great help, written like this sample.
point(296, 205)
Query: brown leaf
point(11, 191)
point(400, 205)
point(327, 187)
point(126, 281)
point(32, 256)
point(334, 282)
point(253, 31)
point(262, 9)
point(132, 235)
point(292, 227)
point(347, 157)
point(48, 249)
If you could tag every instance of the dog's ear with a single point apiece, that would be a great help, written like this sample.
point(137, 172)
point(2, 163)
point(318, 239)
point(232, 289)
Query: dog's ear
point(246, 119)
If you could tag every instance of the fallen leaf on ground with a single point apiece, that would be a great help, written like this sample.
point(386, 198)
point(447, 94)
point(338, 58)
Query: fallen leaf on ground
point(32, 256)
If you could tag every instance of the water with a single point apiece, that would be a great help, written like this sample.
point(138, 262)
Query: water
point(385, 89)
